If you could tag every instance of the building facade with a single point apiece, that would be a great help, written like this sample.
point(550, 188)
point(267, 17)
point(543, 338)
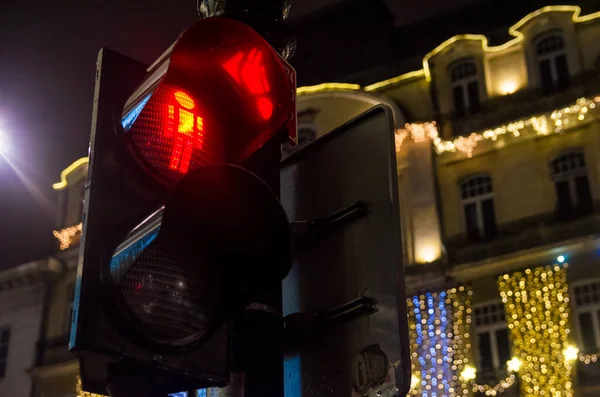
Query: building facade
point(23, 311)
point(499, 189)
point(55, 371)
point(499, 192)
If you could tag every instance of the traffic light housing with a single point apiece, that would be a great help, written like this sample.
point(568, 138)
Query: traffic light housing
point(178, 234)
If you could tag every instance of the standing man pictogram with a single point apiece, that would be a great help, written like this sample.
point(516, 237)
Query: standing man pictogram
point(186, 130)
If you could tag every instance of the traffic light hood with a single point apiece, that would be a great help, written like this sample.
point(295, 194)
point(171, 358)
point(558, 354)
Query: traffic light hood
point(216, 96)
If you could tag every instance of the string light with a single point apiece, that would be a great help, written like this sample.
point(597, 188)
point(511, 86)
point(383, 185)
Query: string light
point(68, 236)
point(400, 136)
point(589, 358)
point(414, 381)
point(468, 373)
point(500, 387)
point(571, 353)
point(514, 364)
point(65, 173)
point(327, 87)
point(537, 310)
point(440, 341)
point(563, 118)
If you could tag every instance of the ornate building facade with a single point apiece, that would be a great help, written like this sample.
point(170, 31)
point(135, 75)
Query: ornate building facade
point(496, 144)
point(499, 189)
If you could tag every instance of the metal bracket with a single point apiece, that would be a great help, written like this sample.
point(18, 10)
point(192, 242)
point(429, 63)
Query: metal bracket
point(300, 327)
point(307, 231)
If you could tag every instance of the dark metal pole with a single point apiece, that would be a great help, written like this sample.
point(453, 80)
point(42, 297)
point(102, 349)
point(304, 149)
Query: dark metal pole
point(258, 332)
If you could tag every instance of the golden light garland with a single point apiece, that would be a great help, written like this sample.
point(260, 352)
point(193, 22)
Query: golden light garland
point(556, 121)
point(500, 387)
point(439, 325)
point(589, 358)
point(68, 236)
point(537, 310)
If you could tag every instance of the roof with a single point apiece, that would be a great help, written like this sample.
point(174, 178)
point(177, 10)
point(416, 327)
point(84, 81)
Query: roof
point(366, 48)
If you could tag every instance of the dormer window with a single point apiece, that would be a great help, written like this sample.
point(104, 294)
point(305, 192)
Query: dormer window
point(465, 86)
point(552, 60)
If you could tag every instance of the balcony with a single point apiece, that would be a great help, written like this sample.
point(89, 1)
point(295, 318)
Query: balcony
point(55, 350)
point(522, 234)
point(520, 105)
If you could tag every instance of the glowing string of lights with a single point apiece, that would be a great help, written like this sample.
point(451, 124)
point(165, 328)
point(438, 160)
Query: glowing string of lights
point(500, 387)
point(556, 121)
point(440, 341)
point(537, 310)
point(68, 236)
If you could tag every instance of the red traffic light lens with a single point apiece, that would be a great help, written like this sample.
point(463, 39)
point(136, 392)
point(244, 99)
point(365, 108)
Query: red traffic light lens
point(217, 97)
point(169, 131)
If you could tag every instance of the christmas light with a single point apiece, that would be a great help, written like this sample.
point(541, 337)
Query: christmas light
point(468, 373)
point(589, 358)
point(440, 341)
point(414, 381)
point(571, 353)
point(68, 236)
point(537, 310)
point(313, 89)
point(560, 259)
point(563, 118)
point(500, 387)
point(514, 364)
point(65, 173)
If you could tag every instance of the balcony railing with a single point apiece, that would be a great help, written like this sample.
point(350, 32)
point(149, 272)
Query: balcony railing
point(55, 350)
point(520, 105)
point(521, 235)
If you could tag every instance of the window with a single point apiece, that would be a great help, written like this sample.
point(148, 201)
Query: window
point(552, 61)
point(573, 195)
point(4, 341)
point(492, 336)
point(478, 207)
point(465, 87)
point(587, 303)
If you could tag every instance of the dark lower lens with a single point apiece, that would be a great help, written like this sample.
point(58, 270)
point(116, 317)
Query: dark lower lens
point(174, 297)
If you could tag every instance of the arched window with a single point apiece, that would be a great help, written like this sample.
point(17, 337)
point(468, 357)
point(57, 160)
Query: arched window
point(478, 207)
point(552, 60)
point(465, 86)
point(570, 175)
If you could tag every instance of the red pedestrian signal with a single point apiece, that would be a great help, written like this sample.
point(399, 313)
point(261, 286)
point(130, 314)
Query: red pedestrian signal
point(217, 96)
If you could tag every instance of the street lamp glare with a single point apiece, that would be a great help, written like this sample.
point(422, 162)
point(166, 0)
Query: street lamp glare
point(4, 144)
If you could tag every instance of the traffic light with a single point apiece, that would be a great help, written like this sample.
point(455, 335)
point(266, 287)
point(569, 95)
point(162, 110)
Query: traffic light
point(182, 226)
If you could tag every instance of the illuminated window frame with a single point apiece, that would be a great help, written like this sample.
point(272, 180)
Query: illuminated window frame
point(593, 308)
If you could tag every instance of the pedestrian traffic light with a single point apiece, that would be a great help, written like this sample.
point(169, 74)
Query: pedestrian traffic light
point(220, 94)
point(182, 227)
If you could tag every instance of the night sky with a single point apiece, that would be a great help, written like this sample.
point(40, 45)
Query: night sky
point(47, 63)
